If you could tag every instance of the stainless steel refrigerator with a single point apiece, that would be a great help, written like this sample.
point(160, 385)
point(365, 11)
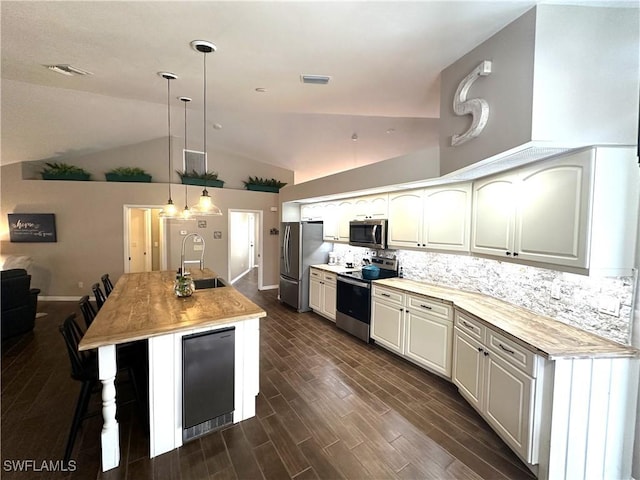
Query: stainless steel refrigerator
point(301, 245)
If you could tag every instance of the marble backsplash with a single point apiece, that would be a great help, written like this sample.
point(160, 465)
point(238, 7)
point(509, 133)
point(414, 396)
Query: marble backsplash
point(528, 287)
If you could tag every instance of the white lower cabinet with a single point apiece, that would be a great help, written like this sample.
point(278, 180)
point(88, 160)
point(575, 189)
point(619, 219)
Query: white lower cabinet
point(322, 293)
point(500, 379)
point(414, 326)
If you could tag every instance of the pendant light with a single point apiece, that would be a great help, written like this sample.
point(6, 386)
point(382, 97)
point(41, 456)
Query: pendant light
point(169, 210)
point(205, 203)
point(186, 212)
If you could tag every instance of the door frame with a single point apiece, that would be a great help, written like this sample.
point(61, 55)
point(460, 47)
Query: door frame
point(126, 208)
point(258, 214)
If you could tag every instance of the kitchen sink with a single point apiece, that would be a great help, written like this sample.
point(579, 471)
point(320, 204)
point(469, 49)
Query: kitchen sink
point(216, 282)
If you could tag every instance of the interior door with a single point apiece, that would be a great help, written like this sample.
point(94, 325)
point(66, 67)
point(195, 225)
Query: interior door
point(139, 240)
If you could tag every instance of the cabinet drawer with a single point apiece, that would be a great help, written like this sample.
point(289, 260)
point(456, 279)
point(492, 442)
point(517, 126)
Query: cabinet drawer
point(470, 326)
point(432, 307)
point(387, 295)
point(514, 354)
point(315, 273)
point(329, 278)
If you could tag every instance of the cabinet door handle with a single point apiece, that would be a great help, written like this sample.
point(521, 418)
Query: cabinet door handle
point(480, 349)
point(515, 254)
point(486, 354)
point(470, 327)
point(385, 295)
point(506, 349)
point(508, 254)
point(426, 306)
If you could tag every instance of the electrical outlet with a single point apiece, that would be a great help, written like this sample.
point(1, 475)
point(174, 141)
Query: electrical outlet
point(80, 284)
point(556, 291)
point(609, 305)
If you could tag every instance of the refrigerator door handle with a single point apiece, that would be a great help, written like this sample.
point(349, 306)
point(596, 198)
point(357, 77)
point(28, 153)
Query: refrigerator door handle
point(286, 280)
point(287, 239)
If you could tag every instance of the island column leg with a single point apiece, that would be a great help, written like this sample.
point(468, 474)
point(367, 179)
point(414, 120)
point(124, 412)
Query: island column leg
point(110, 431)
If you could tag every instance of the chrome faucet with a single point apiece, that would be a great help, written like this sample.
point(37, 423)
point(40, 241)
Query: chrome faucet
point(184, 240)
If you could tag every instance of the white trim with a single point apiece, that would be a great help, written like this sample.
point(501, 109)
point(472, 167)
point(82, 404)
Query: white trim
point(60, 298)
point(268, 287)
point(259, 240)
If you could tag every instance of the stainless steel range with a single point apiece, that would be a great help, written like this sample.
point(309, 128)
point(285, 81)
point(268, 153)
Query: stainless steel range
point(353, 303)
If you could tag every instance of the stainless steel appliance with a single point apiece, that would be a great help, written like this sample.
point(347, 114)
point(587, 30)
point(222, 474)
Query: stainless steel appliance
point(368, 233)
point(301, 245)
point(353, 302)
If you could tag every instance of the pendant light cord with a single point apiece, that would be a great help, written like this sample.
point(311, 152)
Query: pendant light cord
point(186, 193)
point(205, 112)
point(169, 131)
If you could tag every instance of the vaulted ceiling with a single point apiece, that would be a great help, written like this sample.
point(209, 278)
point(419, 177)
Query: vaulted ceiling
point(384, 60)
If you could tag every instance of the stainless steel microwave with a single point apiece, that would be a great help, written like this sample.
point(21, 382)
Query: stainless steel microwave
point(368, 233)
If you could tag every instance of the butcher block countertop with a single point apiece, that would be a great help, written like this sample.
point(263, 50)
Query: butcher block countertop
point(143, 305)
point(335, 268)
point(543, 335)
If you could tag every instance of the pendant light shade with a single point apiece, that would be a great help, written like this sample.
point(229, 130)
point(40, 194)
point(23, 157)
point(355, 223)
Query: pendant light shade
point(169, 210)
point(186, 211)
point(205, 204)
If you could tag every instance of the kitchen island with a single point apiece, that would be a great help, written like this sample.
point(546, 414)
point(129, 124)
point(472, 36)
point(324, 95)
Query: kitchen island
point(142, 306)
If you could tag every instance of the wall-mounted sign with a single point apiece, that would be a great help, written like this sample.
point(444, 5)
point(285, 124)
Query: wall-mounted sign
point(478, 108)
point(32, 227)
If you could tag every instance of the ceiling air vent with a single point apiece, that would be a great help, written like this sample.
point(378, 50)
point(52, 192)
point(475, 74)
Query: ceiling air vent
point(315, 79)
point(69, 70)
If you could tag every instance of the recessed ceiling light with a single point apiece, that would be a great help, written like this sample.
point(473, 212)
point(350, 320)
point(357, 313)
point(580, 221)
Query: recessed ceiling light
point(315, 79)
point(217, 126)
point(261, 90)
point(69, 70)
point(391, 130)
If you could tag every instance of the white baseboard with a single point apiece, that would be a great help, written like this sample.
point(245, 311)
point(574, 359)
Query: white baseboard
point(269, 287)
point(61, 298)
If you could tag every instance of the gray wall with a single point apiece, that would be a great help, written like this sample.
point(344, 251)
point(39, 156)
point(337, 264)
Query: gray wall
point(420, 165)
point(90, 215)
point(561, 76)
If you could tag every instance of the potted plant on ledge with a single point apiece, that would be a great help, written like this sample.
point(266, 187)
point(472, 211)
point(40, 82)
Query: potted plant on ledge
point(64, 171)
point(264, 184)
point(206, 179)
point(127, 174)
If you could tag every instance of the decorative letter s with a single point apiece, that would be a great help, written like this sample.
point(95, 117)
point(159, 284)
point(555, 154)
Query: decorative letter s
point(477, 107)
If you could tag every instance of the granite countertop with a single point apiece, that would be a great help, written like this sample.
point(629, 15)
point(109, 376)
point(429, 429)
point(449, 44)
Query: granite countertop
point(336, 268)
point(143, 305)
point(543, 335)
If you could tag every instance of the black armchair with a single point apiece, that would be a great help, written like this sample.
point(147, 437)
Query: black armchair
point(19, 302)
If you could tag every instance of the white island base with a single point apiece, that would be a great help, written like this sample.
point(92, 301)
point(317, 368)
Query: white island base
point(165, 387)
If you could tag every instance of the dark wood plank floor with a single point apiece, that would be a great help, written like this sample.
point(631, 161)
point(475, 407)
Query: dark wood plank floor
point(330, 407)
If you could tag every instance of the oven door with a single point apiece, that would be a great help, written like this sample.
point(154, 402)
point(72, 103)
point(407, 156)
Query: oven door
point(353, 307)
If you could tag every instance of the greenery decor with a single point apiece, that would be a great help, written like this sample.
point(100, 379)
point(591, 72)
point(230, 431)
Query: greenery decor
point(127, 174)
point(64, 171)
point(206, 179)
point(264, 184)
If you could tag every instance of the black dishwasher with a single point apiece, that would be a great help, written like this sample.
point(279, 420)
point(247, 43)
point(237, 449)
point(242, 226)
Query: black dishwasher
point(208, 367)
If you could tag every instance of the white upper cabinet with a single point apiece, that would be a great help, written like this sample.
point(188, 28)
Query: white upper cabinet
point(579, 210)
point(371, 206)
point(540, 213)
point(330, 222)
point(554, 213)
point(447, 217)
point(405, 219)
point(434, 218)
point(345, 215)
point(493, 218)
point(312, 212)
